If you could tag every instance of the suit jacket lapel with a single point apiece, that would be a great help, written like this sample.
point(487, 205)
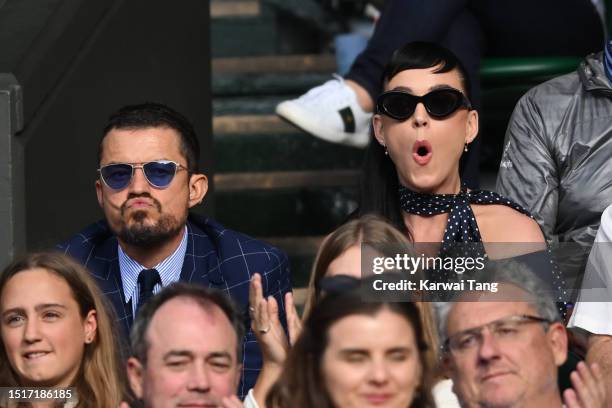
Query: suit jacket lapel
point(112, 285)
point(126, 316)
point(203, 268)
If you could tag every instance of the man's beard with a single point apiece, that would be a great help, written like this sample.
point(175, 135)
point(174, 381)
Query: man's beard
point(138, 233)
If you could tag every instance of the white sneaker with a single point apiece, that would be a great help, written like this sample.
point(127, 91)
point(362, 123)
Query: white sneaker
point(330, 112)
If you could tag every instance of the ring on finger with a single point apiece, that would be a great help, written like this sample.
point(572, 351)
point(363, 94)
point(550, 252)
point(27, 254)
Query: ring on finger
point(265, 330)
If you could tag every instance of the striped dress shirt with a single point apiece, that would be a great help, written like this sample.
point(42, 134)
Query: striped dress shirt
point(169, 271)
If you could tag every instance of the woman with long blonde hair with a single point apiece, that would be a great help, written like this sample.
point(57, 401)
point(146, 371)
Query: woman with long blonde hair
point(57, 331)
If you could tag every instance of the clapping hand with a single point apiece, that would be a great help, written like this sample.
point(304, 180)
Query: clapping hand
point(266, 324)
point(588, 389)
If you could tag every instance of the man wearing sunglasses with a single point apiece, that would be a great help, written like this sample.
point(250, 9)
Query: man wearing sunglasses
point(503, 349)
point(148, 179)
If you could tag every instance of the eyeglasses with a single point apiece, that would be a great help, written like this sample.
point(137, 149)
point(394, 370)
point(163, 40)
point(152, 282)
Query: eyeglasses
point(440, 103)
point(504, 331)
point(159, 174)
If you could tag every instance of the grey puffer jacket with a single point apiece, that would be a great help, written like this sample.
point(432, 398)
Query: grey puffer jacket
point(557, 159)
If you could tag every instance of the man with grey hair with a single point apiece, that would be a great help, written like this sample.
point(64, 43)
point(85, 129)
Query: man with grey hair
point(503, 348)
point(186, 349)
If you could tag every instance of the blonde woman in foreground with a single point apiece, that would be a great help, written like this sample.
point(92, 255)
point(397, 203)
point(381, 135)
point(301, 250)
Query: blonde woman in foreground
point(56, 332)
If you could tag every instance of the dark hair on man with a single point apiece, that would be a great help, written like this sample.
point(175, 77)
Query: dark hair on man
point(302, 384)
point(150, 114)
point(203, 296)
point(379, 183)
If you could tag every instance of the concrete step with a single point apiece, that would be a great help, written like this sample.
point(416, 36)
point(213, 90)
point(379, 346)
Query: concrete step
point(238, 182)
point(261, 143)
point(270, 75)
point(242, 27)
point(250, 125)
point(277, 64)
point(249, 27)
point(246, 105)
point(234, 8)
point(266, 84)
point(291, 211)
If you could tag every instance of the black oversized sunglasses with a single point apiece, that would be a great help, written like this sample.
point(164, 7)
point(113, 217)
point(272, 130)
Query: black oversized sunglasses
point(440, 103)
point(159, 174)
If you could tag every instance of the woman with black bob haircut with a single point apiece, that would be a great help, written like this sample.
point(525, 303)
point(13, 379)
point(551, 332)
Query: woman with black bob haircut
point(353, 353)
point(424, 122)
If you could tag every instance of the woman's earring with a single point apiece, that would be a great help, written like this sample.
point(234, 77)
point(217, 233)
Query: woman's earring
point(386, 151)
point(465, 148)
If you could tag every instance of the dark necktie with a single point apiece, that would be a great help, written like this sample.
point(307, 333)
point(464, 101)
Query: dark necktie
point(147, 279)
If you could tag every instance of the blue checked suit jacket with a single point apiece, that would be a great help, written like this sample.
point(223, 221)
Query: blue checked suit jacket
point(216, 257)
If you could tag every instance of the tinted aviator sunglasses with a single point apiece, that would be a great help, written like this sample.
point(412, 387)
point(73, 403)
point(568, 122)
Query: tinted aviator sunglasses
point(440, 103)
point(159, 174)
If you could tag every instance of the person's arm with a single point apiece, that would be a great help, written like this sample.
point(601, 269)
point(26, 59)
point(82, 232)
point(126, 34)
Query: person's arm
point(528, 172)
point(273, 266)
point(270, 334)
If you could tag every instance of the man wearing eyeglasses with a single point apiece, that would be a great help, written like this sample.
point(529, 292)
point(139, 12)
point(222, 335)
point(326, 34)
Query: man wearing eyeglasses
point(148, 179)
point(503, 349)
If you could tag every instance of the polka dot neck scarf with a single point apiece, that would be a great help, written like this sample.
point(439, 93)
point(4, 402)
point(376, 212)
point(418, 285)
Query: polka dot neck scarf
point(461, 226)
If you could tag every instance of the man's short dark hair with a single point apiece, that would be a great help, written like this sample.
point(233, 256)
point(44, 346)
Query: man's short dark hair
point(203, 296)
point(150, 114)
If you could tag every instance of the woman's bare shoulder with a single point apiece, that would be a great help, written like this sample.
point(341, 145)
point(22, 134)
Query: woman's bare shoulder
point(500, 223)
